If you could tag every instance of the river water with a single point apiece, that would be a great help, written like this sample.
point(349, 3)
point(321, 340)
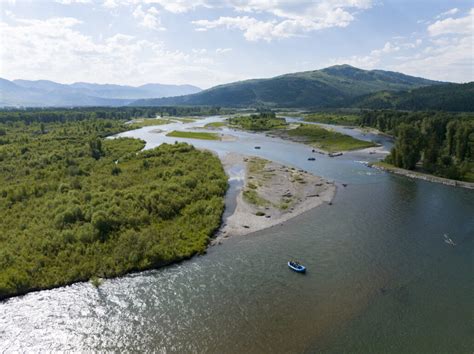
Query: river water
point(382, 276)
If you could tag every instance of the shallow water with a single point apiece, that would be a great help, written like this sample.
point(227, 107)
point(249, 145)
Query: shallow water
point(381, 278)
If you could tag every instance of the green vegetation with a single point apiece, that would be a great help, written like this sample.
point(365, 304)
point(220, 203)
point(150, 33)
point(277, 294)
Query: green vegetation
point(438, 143)
point(326, 139)
point(215, 125)
point(194, 135)
point(140, 123)
point(256, 166)
point(184, 119)
point(46, 115)
point(332, 118)
point(258, 122)
point(252, 197)
point(255, 171)
point(76, 207)
point(95, 281)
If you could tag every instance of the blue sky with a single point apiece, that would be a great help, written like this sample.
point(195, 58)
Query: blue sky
point(209, 42)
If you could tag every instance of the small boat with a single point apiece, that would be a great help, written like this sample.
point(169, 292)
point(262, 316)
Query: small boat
point(311, 159)
point(296, 267)
point(257, 147)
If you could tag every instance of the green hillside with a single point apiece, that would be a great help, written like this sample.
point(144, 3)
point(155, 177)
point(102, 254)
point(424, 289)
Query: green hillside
point(448, 97)
point(332, 86)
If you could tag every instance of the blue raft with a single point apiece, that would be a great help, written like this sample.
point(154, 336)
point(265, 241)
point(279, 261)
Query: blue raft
point(296, 267)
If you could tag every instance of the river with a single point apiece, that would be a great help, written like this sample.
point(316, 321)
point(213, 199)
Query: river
point(382, 277)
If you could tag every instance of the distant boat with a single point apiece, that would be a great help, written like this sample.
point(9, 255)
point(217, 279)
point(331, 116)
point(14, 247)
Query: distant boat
point(257, 147)
point(311, 159)
point(299, 268)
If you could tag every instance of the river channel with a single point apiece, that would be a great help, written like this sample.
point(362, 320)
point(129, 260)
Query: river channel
point(381, 278)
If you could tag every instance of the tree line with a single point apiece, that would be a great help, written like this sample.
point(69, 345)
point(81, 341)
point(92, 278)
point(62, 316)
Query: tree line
point(47, 115)
point(436, 142)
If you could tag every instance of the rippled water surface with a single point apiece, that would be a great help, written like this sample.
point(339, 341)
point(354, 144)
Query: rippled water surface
point(381, 278)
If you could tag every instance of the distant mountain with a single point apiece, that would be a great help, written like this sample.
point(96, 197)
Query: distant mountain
point(447, 97)
point(320, 88)
point(49, 93)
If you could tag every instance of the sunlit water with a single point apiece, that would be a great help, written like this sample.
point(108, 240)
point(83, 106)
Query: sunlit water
point(381, 277)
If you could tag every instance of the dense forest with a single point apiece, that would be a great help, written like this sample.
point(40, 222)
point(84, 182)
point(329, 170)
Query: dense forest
point(448, 97)
point(437, 143)
point(75, 205)
point(258, 122)
point(46, 115)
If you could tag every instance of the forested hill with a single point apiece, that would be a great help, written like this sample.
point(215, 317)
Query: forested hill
point(320, 88)
point(448, 97)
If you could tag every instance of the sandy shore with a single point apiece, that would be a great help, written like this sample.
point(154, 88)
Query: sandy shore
point(376, 150)
point(228, 137)
point(272, 193)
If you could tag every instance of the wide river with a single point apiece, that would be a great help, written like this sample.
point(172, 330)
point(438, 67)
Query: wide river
point(390, 270)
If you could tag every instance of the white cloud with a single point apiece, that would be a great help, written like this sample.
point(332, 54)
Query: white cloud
point(69, 2)
point(255, 30)
point(387, 48)
point(444, 52)
point(179, 6)
point(450, 51)
point(461, 25)
point(369, 61)
point(110, 4)
point(199, 51)
point(148, 18)
point(446, 61)
point(56, 50)
point(289, 18)
point(223, 50)
point(451, 12)
point(293, 18)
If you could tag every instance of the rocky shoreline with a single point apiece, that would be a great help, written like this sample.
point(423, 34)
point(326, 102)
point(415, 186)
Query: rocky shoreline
point(423, 176)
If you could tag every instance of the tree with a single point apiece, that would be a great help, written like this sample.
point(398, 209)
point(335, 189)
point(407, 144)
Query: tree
point(95, 146)
point(407, 146)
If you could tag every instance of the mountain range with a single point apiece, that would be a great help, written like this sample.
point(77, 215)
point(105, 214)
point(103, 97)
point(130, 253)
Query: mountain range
point(333, 87)
point(44, 93)
point(330, 87)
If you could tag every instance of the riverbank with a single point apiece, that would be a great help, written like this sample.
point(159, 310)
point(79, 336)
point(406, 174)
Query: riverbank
point(272, 194)
point(419, 175)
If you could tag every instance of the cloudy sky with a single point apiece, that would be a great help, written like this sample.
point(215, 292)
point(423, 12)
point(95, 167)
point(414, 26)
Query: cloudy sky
point(209, 42)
